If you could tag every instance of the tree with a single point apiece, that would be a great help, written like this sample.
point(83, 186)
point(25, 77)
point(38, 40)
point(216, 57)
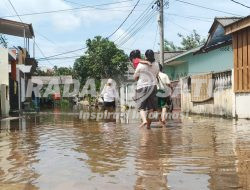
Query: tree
point(191, 41)
point(40, 72)
point(169, 46)
point(187, 42)
point(101, 60)
point(3, 41)
point(59, 71)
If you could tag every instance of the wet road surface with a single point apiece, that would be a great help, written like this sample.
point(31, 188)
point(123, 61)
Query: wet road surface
point(61, 152)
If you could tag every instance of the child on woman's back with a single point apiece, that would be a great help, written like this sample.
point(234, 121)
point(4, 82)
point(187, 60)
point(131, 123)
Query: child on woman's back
point(135, 58)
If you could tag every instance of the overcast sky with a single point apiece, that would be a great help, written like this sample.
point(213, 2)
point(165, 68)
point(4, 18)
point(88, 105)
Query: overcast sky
point(68, 30)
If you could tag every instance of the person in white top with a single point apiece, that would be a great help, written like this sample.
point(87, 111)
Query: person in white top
point(163, 94)
point(146, 90)
point(109, 95)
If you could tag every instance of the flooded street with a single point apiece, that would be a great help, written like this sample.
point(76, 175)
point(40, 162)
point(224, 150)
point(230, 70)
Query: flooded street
point(57, 151)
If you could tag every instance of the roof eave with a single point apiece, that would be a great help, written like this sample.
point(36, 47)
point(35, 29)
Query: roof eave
point(238, 25)
point(14, 28)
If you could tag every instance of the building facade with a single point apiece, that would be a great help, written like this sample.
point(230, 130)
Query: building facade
point(205, 73)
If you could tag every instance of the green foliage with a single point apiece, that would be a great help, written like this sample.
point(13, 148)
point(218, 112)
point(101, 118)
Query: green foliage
point(40, 72)
point(187, 42)
point(191, 41)
point(59, 71)
point(64, 103)
point(3, 41)
point(56, 71)
point(169, 46)
point(101, 60)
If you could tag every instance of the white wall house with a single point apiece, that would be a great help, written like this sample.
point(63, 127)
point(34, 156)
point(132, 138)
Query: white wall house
point(4, 82)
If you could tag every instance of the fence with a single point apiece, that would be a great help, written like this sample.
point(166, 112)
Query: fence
point(220, 101)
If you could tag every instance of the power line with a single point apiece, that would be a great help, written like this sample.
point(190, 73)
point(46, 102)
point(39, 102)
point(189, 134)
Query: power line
point(65, 10)
point(67, 52)
point(240, 4)
point(52, 42)
point(134, 31)
point(23, 23)
point(211, 9)
point(43, 54)
point(58, 58)
point(124, 20)
point(15, 10)
point(80, 4)
point(141, 36)
point(190, 31)
point(127, 37)
point(190, 17)
point(137, 21)
point(143, 24)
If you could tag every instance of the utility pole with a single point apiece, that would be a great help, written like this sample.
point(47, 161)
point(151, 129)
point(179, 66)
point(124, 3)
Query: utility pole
point(161, 27)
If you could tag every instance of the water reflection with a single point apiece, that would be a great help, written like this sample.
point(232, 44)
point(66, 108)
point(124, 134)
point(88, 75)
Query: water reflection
point(105, 145)
point(56, 150)
point(18, 152)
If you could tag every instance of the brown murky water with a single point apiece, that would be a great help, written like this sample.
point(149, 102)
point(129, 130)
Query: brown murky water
point(60, 152)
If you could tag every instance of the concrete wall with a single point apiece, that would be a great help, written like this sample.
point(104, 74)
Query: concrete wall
point(220, 105)
point(4, 82)
point(242, 105)
point(4, 67)
point(4, 98)
point(127, 92)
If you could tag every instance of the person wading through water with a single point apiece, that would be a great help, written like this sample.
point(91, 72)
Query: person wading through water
point(164, 95)
point(146, 89)
point(109, 95)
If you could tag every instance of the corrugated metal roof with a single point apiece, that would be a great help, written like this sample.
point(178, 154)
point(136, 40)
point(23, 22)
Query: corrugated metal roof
point(14, 28)
point(167, 55)
point(224, 21)
point(237, 26)
point(182, 54)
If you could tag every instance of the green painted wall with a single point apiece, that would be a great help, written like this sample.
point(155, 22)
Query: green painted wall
point(216, 60)
point(169, 71)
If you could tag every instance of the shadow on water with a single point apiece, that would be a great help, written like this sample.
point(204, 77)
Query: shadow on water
point(56, 150)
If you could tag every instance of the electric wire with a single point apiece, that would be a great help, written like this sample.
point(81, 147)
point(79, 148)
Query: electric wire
point(203, 7)
point(124, 19)
point(239, 3)
point(63, 10)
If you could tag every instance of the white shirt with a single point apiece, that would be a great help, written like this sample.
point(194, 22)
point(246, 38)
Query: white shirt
point(109, 94)
point(163, 80)
point(147, 75)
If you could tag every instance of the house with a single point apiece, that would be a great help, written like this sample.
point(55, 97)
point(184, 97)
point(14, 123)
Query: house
point(54, 90)
point(204, 73)
point(18, 65)
point(240, 32)
point(216, 55)
point(4, 83)
point(127, 88)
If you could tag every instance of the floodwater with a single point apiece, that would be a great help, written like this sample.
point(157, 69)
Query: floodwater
point(58, 151)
